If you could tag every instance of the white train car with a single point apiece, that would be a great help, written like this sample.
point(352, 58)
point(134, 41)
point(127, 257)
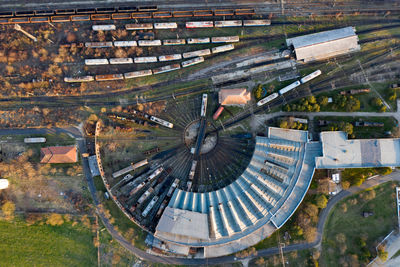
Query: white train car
point(140, 164)
point(172, 188)
point(145, 59)
point(170, 57)
point(149, 42)
point(174, 42)
point(222, 48)
point(192, 170)
point(78, 79)
point(166, 68)
point(141, 26)
point(150, 206)
point(145, 195)
point(125, 43)
point(205, 40)
point(161, 121)
point(203, 106)
point(98, 44)
point(225, 39)
point(256, 22)
point(228, 23)
point(169, 25)
point(193, 61)
point(96, 61)
point(137, 74)
point(267, 99)
point(122, 60)
point(110, 27)
point(109, 77)
point(199, 24)
point(197, 53)
point(310, 76)
point(289, 87)
point(34, 140)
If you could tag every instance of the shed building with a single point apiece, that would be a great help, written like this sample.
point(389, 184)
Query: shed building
point(324, 44)
point(58, 154)
point(234, 97)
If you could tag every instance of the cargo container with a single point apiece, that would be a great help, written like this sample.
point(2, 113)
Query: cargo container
point(199, 24)
point(141, 15)
point(109, 77)
point(218, 112)
point(60, 18)
point(97, 61)
point(98, 44)
point(80, 17)
point(143, 26)
point(174, 42)
point(225, 39)
point(193, 61)
point(150, 206)
point(170, 57)
point(100, 17)
point(110, 27)
point(166, 69)
point(222, 48)
point(205, 40)
point(85, 10)
point(105, 10)
point(256, 22)
point(203, 13)
point(78, 79)
point(161, 121)
point(136, 74)
point(149, 43)
point(197, 53)
point(162, 14)
point(169, 25)
point(34, 140)
point(122, 60)
point(39, 19)
point(125, 43)
point(224, 12)
point(121, 16)
point(145, 59)
point(228, 23)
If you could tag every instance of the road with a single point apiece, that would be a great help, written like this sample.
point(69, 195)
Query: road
point(395, 176)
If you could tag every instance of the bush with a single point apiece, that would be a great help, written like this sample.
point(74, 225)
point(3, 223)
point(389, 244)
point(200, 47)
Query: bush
point(321, 201)
point(55, 219)
point(8, 209)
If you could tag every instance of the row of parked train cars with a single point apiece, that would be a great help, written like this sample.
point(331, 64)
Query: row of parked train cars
point(288, 88)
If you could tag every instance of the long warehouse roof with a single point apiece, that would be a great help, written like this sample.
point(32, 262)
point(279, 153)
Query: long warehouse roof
point(321, 37)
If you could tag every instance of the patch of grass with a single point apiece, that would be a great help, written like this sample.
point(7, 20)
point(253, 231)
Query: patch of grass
point(395, 255)
point(45, 245)
point(360, 234)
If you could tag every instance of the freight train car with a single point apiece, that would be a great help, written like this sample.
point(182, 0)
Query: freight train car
point(205, 40)
point(225, 39)
point(150, 206)
point(228, 23)
point(96, 61)
point(174, 42)
point(142, 26)
point(149, 42)
point(256, 22)
point(98, 44)
point(222, 48)
point(193, 61)
point(161, 121)
point(78, 79)
point(109, 77)
point(145, 59)
point(125, 43)
point(166, 69)
point(122, 60)
point(110, 27)
point(267, 99)
point(218, 112)
point(197, 53)
point(136, 74)
point(170, 25)
point(170, 57)
point(199, 24)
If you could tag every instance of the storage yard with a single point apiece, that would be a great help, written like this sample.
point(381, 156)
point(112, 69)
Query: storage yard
point(174, 94)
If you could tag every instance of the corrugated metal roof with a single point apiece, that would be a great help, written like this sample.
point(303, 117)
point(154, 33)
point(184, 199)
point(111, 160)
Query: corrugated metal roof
point(321, 37)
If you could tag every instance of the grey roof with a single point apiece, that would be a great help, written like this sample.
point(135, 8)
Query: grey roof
point(288, 134)
point(321, 37)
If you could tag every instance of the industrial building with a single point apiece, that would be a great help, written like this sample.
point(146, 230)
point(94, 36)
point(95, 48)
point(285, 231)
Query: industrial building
point(234, 97)
point(58, 154)
point(324, 44)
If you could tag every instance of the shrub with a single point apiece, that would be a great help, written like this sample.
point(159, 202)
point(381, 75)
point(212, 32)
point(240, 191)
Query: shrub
point(55, 219)
point(321, 201)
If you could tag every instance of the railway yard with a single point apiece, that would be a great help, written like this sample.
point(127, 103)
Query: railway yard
point(172, 147)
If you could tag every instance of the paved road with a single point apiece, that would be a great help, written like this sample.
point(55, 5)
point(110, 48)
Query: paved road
point(395, 176)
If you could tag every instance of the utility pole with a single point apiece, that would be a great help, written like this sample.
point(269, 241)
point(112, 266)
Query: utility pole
point(18, 28)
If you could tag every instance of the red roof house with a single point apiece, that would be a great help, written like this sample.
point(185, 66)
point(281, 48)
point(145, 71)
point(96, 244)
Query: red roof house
point(58, 154)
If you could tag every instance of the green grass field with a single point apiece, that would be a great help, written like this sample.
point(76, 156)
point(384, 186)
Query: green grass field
point(45, 245)
point(346, 220)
